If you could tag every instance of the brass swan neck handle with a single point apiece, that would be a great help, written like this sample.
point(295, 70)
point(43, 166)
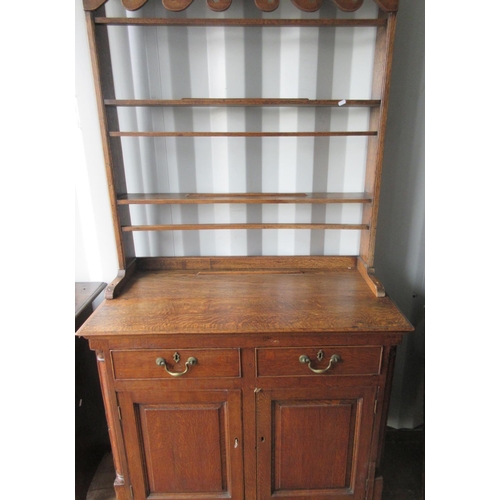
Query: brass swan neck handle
point(304, 359)
point(190, 362)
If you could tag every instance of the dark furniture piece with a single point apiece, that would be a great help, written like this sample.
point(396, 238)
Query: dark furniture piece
point(91, 432)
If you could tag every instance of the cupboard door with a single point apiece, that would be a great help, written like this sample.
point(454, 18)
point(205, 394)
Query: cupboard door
point(314, 443)
point(183, 444)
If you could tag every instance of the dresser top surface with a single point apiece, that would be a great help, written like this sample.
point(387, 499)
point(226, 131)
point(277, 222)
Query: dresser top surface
point(193, 302)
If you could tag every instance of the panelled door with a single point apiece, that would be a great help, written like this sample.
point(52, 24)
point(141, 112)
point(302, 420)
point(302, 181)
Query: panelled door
point(183, 444)
point(314, 443)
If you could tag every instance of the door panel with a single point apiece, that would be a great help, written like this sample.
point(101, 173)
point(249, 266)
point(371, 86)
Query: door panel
point(314, 443)
point(313, 456)
point(184, 444)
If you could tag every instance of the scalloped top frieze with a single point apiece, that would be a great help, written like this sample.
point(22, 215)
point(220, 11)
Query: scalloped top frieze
point(263, 5)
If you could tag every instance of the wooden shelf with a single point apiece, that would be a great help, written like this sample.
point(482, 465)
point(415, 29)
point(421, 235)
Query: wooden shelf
point(241, 134)
point(204, 227)
point(341, 103)
point(375, 104)
point(276, 23)
point(242, 198)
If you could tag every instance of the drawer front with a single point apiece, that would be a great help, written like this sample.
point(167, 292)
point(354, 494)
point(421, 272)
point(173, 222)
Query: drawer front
point(317, 361)
point(171, 364)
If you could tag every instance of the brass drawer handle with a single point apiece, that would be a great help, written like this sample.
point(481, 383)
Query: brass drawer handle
point(304, 359)
point(190, 362)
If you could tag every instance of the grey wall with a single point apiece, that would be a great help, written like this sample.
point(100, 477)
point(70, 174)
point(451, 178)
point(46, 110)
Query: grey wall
point(399, 255)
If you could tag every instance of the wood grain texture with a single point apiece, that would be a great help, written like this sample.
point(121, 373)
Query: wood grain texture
point(284, 362)
point(243, 102)
point(378, 118)
point(372, 281)
point(248, 22)
point(311, 440)
point(176, 5)
point(246, 319)
point(108, 118)
point(246, 226)
point(167, 302)
point(93, 4)
point(115, 133)
point(384, 410)
point(186, 440)
point(240, 198)
point(348, 5)
point(121, 484)
point(133, 4)
point(388, 5)
point(307, 5)
point(324, 263)
point(219, 5)
point(267, 5)
point(141, 363)
point(119, 283)
point(252, 341)
point(169, 428)
point(263, 5)
point(308, 456)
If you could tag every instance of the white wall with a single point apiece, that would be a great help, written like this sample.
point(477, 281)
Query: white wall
point(96, 258)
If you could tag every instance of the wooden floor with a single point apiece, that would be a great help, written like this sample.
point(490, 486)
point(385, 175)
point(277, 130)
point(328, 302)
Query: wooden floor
point(403, 469)
point(101, 487)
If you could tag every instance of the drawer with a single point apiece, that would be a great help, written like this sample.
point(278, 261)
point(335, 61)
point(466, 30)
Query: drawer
point(286, 362)
point(146, 363)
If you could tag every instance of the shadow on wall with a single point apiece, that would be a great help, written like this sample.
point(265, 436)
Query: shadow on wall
point(399, 258)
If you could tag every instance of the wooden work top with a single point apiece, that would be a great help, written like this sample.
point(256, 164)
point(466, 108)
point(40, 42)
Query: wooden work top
point(224, 302)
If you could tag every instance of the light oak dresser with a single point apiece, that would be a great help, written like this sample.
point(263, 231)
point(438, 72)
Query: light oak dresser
point(245, 377)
